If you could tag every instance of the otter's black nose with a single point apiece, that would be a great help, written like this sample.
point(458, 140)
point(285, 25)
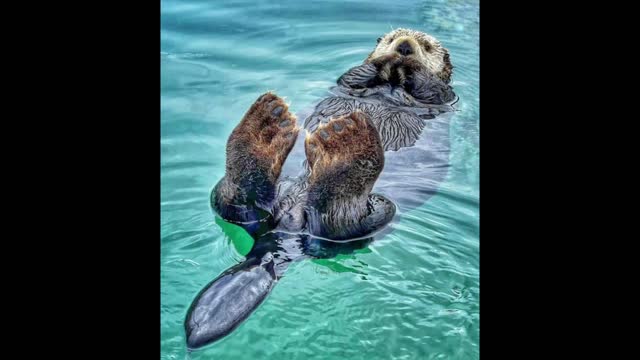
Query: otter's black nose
point(404, 48)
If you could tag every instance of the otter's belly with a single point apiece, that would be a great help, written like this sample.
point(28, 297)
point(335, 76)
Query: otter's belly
point(293, 166)
point(412, 175)
point(289, 208)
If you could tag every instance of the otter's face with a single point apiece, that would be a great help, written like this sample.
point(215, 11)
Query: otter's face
point(416, 45)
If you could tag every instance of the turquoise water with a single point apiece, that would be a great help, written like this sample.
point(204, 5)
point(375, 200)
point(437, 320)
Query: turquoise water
point(412, 294)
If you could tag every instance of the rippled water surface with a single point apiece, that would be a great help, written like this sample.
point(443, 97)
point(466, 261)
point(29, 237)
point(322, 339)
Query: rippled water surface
point(412, 294)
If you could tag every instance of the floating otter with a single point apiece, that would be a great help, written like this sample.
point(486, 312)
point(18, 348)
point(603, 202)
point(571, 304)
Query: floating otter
point(326, 206)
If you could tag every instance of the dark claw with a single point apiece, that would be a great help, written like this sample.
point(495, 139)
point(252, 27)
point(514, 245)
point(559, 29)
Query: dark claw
point(277, 111)
point(284, 123)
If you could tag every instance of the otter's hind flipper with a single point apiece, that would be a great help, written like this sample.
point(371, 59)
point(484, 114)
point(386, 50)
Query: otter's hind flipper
point(228, 300)
point(256, 150)
point(346, 158)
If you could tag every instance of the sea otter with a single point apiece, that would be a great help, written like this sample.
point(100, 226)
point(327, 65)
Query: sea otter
point(320, 202)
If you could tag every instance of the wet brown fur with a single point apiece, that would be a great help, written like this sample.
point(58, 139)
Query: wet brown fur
point(346, 157)
point(266, 135)
point(352, 140)
point(259, 146)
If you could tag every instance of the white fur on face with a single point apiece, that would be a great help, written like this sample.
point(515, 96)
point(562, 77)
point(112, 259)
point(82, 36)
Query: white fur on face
point(426, 48)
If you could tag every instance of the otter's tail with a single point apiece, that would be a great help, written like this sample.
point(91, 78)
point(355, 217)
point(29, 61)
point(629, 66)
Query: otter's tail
point(229, 299)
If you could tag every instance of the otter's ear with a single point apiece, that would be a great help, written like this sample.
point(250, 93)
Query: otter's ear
point(379, 39)
point(445, 74)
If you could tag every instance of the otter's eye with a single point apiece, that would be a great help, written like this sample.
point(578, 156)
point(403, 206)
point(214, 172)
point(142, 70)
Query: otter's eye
point(427, 47)
point(379, 39)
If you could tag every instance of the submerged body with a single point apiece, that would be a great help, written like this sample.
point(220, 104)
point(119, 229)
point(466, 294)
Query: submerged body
point(313, 198)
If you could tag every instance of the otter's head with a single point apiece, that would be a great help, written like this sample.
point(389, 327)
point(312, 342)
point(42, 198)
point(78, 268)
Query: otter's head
point(418, 46)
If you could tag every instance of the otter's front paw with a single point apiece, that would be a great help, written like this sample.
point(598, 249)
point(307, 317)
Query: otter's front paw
point(386, 66)
point(386, 60)
point(263, 139)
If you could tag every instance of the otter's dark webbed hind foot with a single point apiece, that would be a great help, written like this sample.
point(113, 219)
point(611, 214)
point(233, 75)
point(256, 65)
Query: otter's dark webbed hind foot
point(346, 158)
point(256, 150)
